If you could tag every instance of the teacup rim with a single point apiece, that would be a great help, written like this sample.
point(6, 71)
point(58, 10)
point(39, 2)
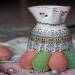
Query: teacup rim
point(49, 6)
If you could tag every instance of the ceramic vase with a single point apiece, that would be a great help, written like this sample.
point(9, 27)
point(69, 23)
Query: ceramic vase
point(50, 32)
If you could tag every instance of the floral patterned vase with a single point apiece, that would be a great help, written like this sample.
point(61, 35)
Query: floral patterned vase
point(50, 33)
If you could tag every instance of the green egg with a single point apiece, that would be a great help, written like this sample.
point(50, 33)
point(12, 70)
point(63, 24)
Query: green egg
point(71, 58)
point(40, 62)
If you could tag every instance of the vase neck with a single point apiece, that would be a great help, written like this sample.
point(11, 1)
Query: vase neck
point(50, 14)
point(42, 23)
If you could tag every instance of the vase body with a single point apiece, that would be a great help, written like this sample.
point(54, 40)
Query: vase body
point(50, 32)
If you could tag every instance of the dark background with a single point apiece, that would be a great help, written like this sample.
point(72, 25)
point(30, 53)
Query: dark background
point(18, 9)
point(37, 2)
point(16, 20)
point(50, 2)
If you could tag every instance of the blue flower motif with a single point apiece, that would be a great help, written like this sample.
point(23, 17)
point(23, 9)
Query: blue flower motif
point(36, 43)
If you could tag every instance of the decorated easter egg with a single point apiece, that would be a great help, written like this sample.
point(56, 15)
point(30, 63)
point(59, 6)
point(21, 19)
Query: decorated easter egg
point(58, 62)
point(40, 62)
point(5, 53)
point(71, 58)
point(26, 59)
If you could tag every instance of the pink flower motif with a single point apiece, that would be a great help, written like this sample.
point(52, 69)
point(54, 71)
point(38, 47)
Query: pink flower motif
point(63, 13)
point(43, 14)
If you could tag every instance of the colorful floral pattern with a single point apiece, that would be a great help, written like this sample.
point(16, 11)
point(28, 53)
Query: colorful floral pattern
point(51, 40)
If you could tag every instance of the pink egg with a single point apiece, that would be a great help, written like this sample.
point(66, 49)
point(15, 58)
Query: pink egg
point(58, 62)
point(5, 53)
point(26, 59)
